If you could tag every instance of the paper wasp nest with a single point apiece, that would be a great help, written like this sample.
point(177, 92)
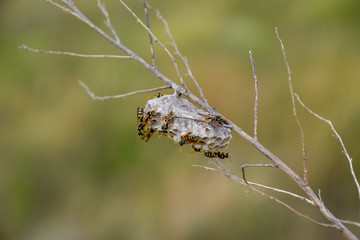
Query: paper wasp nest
point(187, 121)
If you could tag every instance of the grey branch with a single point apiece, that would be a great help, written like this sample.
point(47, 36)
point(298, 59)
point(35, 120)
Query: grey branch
point(221, 169)
point(338, 138)
point(159, 42)
point(305, 170)
point(94, 97)
point(150, 37)
point(177, 52)
point(243, 182)
point(72, 53)
point(256, 96)
point(334, 222)
point(108, 21)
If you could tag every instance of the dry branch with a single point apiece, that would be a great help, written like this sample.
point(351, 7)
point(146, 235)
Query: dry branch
point(305, 170)
point(72, 53)
point(94, 97)
point(338, 138)
point(256, 96)
point(315, 200)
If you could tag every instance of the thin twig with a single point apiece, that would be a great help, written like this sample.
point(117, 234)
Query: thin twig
point(159, 42)
point(284, 192)
point(177, 52)
point(72, 53)
point(150, 37)
point(108, 21)
point(180, 90)
point(228, 174)
point(256, 96)
point(305, 169)
point(350, 222)
point(94, 97)
point(293, 210)
point(255, 165)
point(259, 185)
point(350, 160)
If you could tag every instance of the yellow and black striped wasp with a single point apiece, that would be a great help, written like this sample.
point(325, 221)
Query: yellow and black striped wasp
point(222, 155)
point(140, 119)
point(196, 149)
point(210, 154)
point(143, 127)
point(157, 95)
point(188, 138)
point(166, 123)
point(214, 118)
point(217, 154)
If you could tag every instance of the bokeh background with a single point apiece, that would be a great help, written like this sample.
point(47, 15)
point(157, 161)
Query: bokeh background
point(72, 168)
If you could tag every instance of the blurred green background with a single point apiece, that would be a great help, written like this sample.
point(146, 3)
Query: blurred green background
point(72, 168)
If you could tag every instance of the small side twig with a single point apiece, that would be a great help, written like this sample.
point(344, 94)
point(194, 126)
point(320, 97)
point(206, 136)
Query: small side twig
point(255, 165)
point(222, 169)
point(177, 52)
point(72, 53)
point(357, 224)
point(338, 138)
point(256, 96)
point(237, 179)
point(157, 41)
point(150, 37)
point(305, 169)
point(94, 97)
point(108, 21)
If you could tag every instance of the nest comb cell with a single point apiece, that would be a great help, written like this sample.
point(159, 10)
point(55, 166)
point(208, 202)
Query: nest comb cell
point(187, 124)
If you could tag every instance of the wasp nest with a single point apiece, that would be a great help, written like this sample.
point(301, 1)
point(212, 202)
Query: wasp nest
point(178, 119)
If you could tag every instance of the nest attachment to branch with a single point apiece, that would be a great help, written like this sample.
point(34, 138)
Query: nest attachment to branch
point(178, 119)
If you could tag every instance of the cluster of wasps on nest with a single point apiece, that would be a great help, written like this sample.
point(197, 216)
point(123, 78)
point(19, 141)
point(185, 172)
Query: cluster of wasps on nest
point(168, 128)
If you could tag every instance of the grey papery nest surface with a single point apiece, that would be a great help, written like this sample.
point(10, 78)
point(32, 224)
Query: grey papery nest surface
point(187, 120)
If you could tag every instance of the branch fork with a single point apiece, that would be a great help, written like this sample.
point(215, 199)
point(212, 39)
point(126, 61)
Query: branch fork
point(311, 198)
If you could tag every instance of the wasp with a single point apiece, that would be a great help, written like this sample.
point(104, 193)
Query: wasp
point(210, 154)
point(143, 120)
point(222, 155)
point(214, 118)
point(148, 134)
point(157, 95)
point(140, 119)
point(140, 115)
point(150, 114)
point(196, 149)
point(188, 138)
point(165, 124)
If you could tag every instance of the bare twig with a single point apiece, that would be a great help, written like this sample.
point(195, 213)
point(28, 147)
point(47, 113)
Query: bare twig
point(228, 174)
point(150, 37)
point(255, 165)
point(108, 21)
point(284, 192)
point(179, 90)
point(256, 96)
point(295, 211)
point(305, 170)
point(71, 53)
point(338, 138)
point(334, 222)
point(177, 52)
point(357, 224)
point(94, 97)
point(297, 179)
point(259, 185)
point(159, 42)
